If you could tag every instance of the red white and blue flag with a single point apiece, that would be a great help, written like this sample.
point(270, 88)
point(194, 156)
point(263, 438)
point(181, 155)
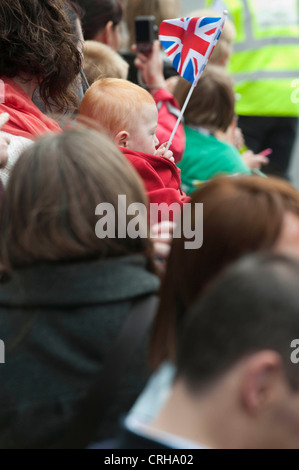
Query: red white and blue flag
point(189, 43)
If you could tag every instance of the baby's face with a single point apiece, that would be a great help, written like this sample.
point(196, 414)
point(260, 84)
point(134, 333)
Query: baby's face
point(143, 131)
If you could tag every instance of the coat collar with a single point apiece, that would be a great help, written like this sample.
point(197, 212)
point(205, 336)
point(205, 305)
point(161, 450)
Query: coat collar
point(78, 284)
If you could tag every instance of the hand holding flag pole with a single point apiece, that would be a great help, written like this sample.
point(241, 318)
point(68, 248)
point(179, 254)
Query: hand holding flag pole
point(189, 43)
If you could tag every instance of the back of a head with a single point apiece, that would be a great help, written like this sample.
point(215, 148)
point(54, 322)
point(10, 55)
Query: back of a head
point(48, 212)
point(74, 14)
point(212, 104)
point(161, 9)
point(97, 13)
point(241, 215)
point(252, 308)
point(114, 103)
point(43, 50)
point(100, 61)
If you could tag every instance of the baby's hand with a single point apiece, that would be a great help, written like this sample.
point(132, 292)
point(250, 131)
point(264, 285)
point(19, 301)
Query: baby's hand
point(161, 152)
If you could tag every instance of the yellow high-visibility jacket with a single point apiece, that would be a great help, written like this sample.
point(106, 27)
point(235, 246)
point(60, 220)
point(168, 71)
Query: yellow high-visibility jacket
point(265, 62)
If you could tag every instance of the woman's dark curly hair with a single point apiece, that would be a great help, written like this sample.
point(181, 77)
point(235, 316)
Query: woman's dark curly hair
point(36, 41)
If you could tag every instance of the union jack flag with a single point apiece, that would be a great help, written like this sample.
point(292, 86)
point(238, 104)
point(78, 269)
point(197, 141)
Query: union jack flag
point(189, 43)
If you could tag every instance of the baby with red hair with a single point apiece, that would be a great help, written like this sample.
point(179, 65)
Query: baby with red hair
point(129, 115)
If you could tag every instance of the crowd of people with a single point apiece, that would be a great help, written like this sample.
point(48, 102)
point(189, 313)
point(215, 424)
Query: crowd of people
point(117, 332)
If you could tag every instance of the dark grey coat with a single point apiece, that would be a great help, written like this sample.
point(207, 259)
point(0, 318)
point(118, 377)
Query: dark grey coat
point(58, 323)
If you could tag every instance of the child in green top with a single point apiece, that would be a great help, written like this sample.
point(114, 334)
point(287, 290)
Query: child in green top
point(210, 125)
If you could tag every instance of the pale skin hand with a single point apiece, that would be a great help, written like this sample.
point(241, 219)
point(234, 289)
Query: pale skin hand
point(171, 84)
point(4, 142)
point(162, 236)
point(234, 136)
point(151, 67)
point(239, 140)
point(253, 161)
point(161, 152)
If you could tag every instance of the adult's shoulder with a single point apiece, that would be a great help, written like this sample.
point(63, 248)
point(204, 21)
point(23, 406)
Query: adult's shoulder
point(82, 283)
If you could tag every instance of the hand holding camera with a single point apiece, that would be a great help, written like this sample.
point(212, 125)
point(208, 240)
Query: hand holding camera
point(151, 67)
point(146, 33)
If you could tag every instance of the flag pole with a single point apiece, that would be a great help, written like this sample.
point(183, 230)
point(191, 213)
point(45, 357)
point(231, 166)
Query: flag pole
point(181, 115)
point(225, 13)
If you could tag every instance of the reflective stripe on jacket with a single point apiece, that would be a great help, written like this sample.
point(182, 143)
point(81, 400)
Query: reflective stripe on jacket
point(265, 62)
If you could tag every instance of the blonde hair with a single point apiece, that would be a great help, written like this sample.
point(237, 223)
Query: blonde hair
point(100, 61)
point(161, 9)
point(223, 48)
point(114, 103)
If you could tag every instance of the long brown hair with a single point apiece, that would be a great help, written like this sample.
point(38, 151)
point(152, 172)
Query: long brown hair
point(241, 216)
point(36, 42)
point(48, 209)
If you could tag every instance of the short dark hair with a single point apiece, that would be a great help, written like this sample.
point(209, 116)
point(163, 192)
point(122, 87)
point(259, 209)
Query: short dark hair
point(74, 13)
point(97, 13)
point(254, 306)
point(36, 41)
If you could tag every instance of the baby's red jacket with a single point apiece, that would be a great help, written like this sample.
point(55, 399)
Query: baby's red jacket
point(161, 177)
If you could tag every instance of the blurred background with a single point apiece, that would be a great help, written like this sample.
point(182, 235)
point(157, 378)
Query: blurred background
point(187, 7)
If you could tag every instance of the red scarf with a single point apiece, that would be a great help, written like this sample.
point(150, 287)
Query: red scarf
point(26, 120)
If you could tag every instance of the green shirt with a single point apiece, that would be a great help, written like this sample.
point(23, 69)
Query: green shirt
point(206, 157)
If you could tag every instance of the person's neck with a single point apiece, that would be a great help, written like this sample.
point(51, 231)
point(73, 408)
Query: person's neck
point(198, 419)
point(225, 136)
point(27, 86)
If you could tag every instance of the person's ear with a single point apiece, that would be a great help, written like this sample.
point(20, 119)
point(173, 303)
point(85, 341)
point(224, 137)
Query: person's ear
point(110, 35)
point(122, 139)
point(261, 381)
